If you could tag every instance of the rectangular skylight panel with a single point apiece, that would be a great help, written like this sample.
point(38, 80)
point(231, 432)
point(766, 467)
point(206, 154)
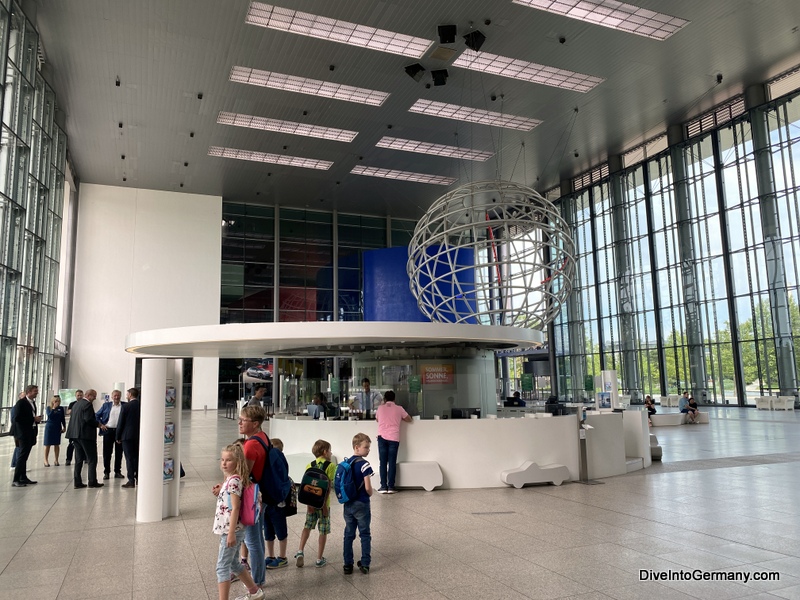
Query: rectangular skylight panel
point(303, 85)
point(473, 115)
point(402, 175)
point(325, 28)
point(394, 143)
point(514, 68)
point(290, 127)
point(274, 159)
point(613, 14)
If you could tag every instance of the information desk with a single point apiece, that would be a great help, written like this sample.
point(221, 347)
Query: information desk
point(471, 452)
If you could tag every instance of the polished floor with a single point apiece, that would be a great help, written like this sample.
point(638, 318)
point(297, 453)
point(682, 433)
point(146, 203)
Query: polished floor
point(725, 498)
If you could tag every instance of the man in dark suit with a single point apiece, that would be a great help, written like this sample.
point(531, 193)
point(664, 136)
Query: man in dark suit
point(25, 428)
point(128, 435)
point(82, 430)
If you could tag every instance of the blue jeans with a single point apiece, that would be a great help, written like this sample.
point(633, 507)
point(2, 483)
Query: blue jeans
point(254, 540)
point(357, 514)
point(228, 558)
point(387, 452)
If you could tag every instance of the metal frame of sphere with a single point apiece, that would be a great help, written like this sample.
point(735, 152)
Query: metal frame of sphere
point(492, 253)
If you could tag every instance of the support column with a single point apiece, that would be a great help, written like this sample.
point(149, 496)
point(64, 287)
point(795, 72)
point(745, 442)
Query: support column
point(694, 332)
point(205, 383)
point(150, 490)
point(625, 288)
point(576, 333)
point(773, 249)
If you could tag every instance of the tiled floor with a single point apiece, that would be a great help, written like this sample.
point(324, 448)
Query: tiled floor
point(727, 497)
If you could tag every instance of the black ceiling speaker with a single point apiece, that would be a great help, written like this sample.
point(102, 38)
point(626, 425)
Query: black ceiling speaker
point(415, 71)
point(439, 77)
point(474, 40)
point(447, 34)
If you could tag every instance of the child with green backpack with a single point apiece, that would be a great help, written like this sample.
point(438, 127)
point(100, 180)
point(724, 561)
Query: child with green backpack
point(314, 491)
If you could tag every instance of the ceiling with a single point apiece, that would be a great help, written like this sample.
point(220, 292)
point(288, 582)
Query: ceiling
point(165, 53)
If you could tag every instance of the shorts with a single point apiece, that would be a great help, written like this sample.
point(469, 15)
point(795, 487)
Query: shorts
point(228, 558)
point(275, 523)
point(324, 522)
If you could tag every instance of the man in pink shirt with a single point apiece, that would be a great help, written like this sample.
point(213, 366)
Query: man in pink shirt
point(389, 416)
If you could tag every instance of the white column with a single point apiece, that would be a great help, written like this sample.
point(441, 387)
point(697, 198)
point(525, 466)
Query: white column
point(205, 383)
point(151, 441)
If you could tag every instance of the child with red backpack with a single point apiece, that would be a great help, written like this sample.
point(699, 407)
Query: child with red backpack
point(322, 513)
point(227, 523)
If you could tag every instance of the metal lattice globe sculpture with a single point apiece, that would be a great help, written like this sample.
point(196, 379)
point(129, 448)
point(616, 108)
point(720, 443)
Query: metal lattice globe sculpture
point(491, 253)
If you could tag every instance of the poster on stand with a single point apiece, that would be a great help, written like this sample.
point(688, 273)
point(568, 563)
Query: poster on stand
point(169, 433)
point(170, 397)
point(169, 469)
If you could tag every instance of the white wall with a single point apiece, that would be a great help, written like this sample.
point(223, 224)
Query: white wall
point(145, 259)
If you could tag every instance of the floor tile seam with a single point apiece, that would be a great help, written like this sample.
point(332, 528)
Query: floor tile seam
point(729, 541)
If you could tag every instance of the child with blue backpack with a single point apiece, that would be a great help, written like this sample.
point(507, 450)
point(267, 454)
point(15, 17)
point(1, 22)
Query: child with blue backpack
point(322, 460)
point(357, 514)
point(275, 526)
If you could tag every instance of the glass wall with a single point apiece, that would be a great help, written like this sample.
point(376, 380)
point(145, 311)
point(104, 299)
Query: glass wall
point(32, 164)
point(706, 278)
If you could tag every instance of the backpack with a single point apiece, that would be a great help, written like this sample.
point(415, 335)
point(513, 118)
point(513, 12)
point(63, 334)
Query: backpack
point(315, 485)
point(344, 483)
point(275, 483)
point(290, 504)
point(250, 511)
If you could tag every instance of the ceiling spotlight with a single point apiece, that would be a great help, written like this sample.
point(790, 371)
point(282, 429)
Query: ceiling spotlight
point(439, 77)
point(447, 34)
point(415, 71)
point(474, 40)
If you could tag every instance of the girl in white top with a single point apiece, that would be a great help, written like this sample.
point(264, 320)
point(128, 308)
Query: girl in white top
point(227, 525)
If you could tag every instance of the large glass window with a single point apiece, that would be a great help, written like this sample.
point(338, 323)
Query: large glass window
point(32, 165)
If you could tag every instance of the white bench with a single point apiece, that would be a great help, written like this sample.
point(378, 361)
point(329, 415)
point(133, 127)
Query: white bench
point(763, 403)
point(666, 419)
point(530, 472)
point(655, 449)
point(424, 474)
point(783, 403)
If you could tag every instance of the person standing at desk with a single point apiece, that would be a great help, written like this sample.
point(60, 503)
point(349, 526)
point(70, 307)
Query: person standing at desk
point(389, 416)
point(366, 399)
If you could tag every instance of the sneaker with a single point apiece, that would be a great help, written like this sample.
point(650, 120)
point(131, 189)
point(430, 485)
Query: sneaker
point(383, 490)
point(119, 476)
point(392, 491)
point(271, 560)
point(348, 569)
point(259, 595)
point(279, 562)
point(321, 562)
point(299, 560)
point(363, 568)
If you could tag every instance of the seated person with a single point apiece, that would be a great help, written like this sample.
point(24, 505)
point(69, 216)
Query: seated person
point(518, 398)
point(685, 406)
point(651, 408)
point(319, 400)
